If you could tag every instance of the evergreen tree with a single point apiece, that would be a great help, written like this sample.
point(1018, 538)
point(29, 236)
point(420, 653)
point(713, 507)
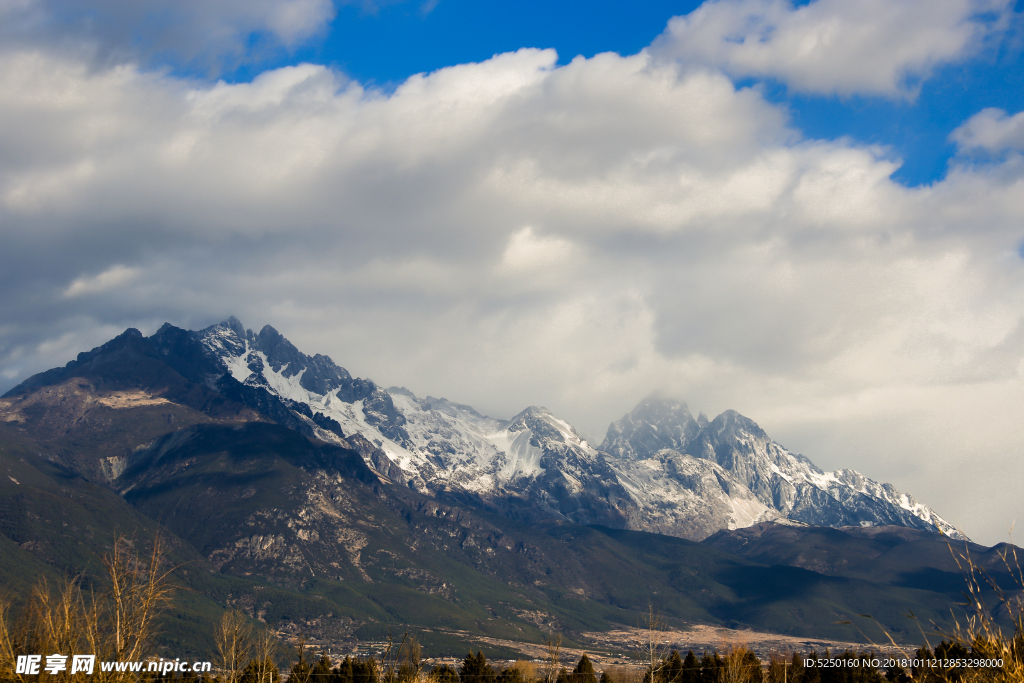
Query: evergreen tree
point(751, 667)
point(584, 672)
point(343, 673)
point(671, 670)
point(260, 671)
point(365, 671)
point(321, 672)
point(839, 674)
point(475, 669)
point(946, 650)
point(300, 671)
point(715, 671)
point(512, 675)
point(690, 669)
point(796, 669)
point(445, 673)
point(777, 670)
point(606, 677)
point(897, 675)
point(812, 674)
point(866, 673)
point(922, 673)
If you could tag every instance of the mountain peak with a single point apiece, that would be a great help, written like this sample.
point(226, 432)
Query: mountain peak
point(268, 332)
point(732, 423)
point(533, 411)
point(235, 325)
point(226, 338)
point(661, 470)
point(544, 425)
point(531, 416)
point(656, 423)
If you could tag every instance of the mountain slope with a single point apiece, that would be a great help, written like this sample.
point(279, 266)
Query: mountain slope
point(335, 530)
point(890, 555)
point(261, 500)
point(659, 469)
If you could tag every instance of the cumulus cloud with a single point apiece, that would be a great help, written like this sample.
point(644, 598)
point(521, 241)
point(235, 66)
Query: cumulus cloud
point(875, 47)
point(516, 232)
point(990, 130)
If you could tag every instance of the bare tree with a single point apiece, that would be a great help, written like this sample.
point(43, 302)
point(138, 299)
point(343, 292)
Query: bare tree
point(411, 663)
point(116, 624)
point(554, 646)
point(625, 674)
point(527, 670)
point(233, 638)
point(390, 655)
point(265, 652)
point(650, 644)
point(302, 670)
point(140, 590)
point(51, 621)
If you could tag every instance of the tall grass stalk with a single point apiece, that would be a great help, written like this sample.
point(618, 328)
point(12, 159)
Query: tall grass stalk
point(979, 632)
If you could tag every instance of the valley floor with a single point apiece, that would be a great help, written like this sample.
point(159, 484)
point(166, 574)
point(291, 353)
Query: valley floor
point(621, 647)
point(701, 637)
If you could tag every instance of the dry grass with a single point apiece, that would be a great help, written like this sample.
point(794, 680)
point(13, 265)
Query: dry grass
point(978, 636)
point(979, 633)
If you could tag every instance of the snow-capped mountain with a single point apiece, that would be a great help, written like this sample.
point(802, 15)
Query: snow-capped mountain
point(659, 469)
point(785, 485)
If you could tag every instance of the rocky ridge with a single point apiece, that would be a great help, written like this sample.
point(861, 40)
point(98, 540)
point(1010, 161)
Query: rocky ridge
point(659, 468)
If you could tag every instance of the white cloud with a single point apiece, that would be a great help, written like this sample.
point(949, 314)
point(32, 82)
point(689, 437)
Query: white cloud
point(877, 47)
point(527, 251)
point(992, 131)
point(682, 235)
point(292, 22)
point(115, 276)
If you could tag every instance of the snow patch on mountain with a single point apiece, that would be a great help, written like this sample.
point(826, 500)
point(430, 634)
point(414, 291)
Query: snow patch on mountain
point(659, 468)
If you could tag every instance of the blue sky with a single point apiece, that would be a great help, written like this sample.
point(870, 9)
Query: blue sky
point(708, 203)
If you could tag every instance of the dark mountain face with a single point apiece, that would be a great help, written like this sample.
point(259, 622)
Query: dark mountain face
point(270, 353)
point(891, 555)
point(319, 373)
point(208, 436)
point(263, 503)
point(92, 413)
point(169, 361)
